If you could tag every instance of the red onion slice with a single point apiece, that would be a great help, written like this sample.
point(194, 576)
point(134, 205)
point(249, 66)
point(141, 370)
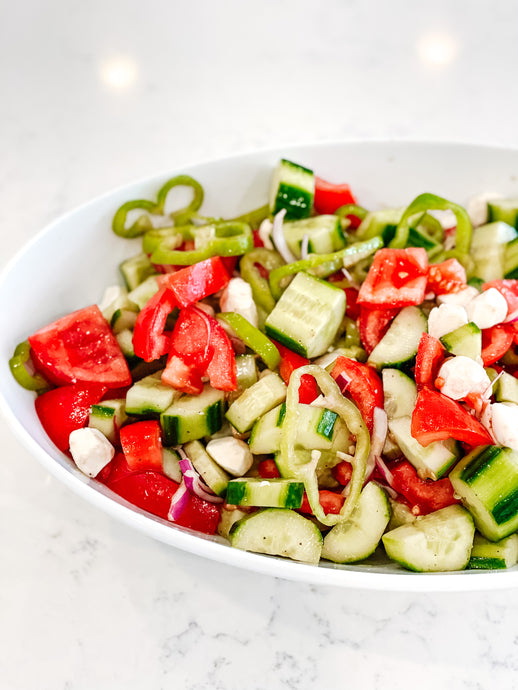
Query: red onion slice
point(178, 503)
point(343, 382)
point(512, 317)
point(378, 438)
point(386, 487)
point(279, 239)
point(194, 482)
point(304, 245)
point(384, 471)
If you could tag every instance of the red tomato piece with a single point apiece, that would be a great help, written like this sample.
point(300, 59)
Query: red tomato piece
point(141, 444)
point(437, 418)
point(509, 289)
point(448, 276)
point(258, 242)
point(352, 308)
point(373, 324)
point(149, 340)
point(496, 341)
point(80, 347)
point(268, 469)
point(116, 469)
point(362, 383)
point(194, 283)
point(343, 472)
point(330, 501)
point(308, 389)
point(329, 197)
point(430, 355)
point(396, 278)
point(424, 495)
point(149, 490)
point(65, 409)
point(222, 369)
point(200, 515)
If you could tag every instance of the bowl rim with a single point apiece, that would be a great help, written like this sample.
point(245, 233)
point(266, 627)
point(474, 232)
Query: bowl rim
point(352, 576)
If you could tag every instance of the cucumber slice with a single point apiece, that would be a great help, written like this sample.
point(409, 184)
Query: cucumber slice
point(432, 461)
point(192, 417)
point(465, 340)
point(136, 269)
point(292, 188)
point(265, 493)
point(511, 259)
point(488, 249)
point(399, 344)
point(123, 319)
point(439, 541)
point(125, 340)
point(144, 292)
point(212, 474)
point(487, 482)
point(503, 209)
point(229, 516)
point(107, 417)
point(150, 396)
point(357, 537)
point(324, 234)
point(256, 401)
point(506, 388)
point(278, 532)
point(488, 555)
point(307, 316)
point(399, 393)
point(317, 429)
point(380, 224)
point(246, 371)
point(171, 464)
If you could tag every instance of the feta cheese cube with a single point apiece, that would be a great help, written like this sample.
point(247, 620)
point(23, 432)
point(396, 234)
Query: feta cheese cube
point(90, 450)
point(445, 319)
point(462, 376)
point(232, 454)
point(461, 298)
point(237, 297)
point(504, 424)
point(487, 309)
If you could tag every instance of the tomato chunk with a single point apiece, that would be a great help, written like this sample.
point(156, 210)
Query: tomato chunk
point(194, 283)
point(448, 276)
point(396, 278)
point(362, 383)
point(80, 347)
point(65, 409)
point(141, 444)
point(437, 418)
point(496, 341)
point(424, 495)
point(268, 469)
point(330, 501)
point(430, 355)
point(329, 197)
point(343, 472)
point(373, 325)
point(149, 340)
point(308, 389)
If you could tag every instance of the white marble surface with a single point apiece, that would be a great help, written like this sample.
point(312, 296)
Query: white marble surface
point(95, 94)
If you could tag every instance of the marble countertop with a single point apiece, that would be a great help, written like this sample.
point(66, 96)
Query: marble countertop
point(97, 94)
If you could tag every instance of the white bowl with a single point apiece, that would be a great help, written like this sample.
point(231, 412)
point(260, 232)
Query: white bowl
point(69, 263)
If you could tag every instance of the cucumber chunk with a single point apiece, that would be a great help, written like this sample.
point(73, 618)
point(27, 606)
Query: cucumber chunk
point(487, 482)
point(506, 388)
point(381, 223)
point(399, 394)
point(307, 316)
point(488, 249)
point(292, 188)
point(399, 344)
point(278, 532)
point(324, 234)
point(192, 417)
point(256, 401)
point(436, 542)
point(212, 474)
point(107, 417)
point(511, 259)
point(265, 493)
point(488, 555)
point(357, 537)
point(136, 269)
point(503, 209)
point(465, 340)
point(432, 461)
point(150, 396)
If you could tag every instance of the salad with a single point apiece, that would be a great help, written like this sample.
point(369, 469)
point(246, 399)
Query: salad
point(313, 379)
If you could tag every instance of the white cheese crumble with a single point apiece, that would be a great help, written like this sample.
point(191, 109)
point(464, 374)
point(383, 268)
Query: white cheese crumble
point(504, 424)
point(237, 297)
point(461, 298)
point(445, 319)
point(90, 450)
point(476, 207)
point(487, 309)
point(232, 454)
point(462, 376)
